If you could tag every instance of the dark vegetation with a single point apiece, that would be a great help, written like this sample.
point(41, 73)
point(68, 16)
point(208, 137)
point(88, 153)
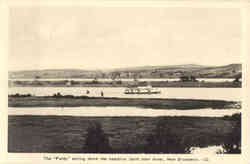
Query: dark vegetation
point(65, 134)
point(232, 142)
point(20, 95)
point(164, 140)
point(96, 140)
point(59, 100)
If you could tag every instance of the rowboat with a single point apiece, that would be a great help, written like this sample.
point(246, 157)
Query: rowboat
point(142, 90)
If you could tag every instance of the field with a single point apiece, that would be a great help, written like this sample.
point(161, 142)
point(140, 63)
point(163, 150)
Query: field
point(59, 134)
point(76, 101)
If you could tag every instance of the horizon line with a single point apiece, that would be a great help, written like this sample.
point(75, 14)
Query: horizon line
point(110, 68)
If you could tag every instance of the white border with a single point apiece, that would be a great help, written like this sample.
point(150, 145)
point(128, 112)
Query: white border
point(31, 158)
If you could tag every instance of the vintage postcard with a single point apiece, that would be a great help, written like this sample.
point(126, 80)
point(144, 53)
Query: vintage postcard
point(124, 82)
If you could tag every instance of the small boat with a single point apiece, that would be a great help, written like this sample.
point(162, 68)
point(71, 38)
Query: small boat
point(142, 90)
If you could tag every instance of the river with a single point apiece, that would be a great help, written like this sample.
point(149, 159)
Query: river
point(118, 111)
point(229, 94)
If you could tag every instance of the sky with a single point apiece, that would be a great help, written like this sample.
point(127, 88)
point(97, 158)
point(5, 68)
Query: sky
point(113, 37)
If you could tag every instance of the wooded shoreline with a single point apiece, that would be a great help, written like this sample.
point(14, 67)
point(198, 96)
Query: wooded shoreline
point(160, 84)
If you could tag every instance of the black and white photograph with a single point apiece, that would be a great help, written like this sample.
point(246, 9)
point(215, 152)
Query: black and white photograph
point(125, 80)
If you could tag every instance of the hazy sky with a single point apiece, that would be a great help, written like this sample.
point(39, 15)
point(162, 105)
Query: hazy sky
point(89, 38)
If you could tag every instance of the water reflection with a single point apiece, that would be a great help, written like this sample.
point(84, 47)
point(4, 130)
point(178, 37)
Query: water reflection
point(207, 150)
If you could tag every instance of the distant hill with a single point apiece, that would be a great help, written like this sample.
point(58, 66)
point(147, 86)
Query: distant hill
point(199, 71)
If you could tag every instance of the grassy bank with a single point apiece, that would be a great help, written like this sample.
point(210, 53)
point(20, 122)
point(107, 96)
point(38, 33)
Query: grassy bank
point(58, 134)
point(76, 101)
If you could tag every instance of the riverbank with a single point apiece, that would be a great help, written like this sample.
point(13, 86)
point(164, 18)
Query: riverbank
point(161, 84)
point(65, 134)
point(154, 103)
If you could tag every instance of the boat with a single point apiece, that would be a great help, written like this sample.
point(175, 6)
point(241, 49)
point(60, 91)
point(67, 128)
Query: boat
point(142, 90)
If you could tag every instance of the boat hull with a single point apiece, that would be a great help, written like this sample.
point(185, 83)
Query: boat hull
point(143, 93)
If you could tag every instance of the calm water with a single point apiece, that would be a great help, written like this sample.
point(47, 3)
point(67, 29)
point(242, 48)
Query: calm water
point(207, 150)
point(118, 111)
point(230, 94)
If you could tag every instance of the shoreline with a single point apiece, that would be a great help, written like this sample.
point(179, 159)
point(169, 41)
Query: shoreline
point(154, 103)
point(158, 84)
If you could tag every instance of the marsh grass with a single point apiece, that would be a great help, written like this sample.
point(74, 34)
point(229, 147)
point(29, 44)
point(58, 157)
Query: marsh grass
point(65, 134)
